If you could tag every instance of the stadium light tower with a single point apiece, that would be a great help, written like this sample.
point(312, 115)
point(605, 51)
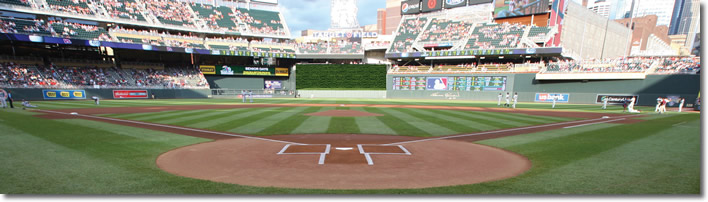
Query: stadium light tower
point(343, 14)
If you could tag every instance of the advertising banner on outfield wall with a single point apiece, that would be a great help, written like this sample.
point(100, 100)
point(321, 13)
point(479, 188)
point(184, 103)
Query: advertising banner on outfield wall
point(226, 70)
point(614, 99)
point(548, 97)
point(130, 94)
point(63, 94)
point(475, 2)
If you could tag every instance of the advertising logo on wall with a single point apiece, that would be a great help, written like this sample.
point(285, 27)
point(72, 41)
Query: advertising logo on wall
point(130, 94)
point(431, 5)
point(63, 94)
point(455, 3)
point(243, 70)
point(615, 99)
point(273, 84)
point(548, 97)
point(410, 7)
point(436, 83)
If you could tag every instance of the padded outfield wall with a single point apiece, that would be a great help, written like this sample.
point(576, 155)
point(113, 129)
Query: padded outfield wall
point(579, 91)
point(38, 94)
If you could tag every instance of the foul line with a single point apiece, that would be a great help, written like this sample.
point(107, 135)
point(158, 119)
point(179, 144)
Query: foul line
point(587, 124)
point(505, 130)
point(169, 126)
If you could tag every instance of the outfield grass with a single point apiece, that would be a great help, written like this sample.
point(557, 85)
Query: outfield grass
point(659, 156)
point(292, 120)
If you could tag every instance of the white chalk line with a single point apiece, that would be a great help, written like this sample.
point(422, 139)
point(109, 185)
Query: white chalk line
point(368, 154)
point(587, 124)
point(174, 127)
point(504, 130)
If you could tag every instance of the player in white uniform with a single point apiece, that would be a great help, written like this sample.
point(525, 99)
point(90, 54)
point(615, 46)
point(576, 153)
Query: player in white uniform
point(499, 102)
point(658, 104)
point(243, 95)
point(554, 102)
point(507, 100)
point(630, 107)
point(604, 102)
point(3, 98)
point(516, 97)
point(95, 99)
point(27, 104)
point(681, 104)
point(250, 94)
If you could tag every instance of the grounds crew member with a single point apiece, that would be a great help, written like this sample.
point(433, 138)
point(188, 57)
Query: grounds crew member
point(9, 98)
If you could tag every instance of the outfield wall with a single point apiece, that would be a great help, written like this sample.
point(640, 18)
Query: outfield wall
point(36, 94)
point(579, 91)
point(370, 94)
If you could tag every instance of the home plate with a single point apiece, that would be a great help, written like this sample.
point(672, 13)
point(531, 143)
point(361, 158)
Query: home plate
point(344, 148)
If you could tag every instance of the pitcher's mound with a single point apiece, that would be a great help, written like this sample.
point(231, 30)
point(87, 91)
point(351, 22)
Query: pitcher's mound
point(343, 113)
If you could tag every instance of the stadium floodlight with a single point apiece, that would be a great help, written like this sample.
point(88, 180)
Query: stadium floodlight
point(343, 14)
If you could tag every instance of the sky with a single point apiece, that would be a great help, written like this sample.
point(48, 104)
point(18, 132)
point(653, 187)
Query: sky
point(314, 14)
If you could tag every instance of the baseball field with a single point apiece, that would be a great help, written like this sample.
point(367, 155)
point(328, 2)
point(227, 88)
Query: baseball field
point(345, 146)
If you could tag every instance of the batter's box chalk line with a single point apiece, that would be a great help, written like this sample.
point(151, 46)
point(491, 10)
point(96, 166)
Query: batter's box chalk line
point(368, 154)
point(322, 154)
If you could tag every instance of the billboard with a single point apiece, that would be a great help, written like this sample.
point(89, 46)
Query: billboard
point(548, 97)
point(273, 84)
point(63, 94)
point(455, 3)
point(514, 8)
point(431, 5)
point(615, 99)
point(436, 83)
point(475, 2)
point(226, 70)
point(410, 7)
point(130, 94)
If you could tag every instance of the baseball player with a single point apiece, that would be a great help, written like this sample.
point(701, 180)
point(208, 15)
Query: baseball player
point(250, 95)
point(630, 107)
point(95, 99)
point(507, 100)
point(554, 102)
point(3, 97)
point(658, 104)
point(499, 97)
point(681, 104)
point(516, 97)
point(9, 98)
point(26, 104)
point(663, 104)
point(243, 95)
point(604, 102)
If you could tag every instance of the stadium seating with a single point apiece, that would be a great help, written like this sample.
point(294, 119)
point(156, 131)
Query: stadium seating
point(217, 18)
point(16, 2)
point(493, 36)
point(79, 31)
point(261, 22)
point(71, 6)
point(23, 26)
point(538, 32)
point(170, 12)
point(312, 48)
point(34, 76)
point(444, 30)
point(407, 33)
point(124, 9)
point(346, 48)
